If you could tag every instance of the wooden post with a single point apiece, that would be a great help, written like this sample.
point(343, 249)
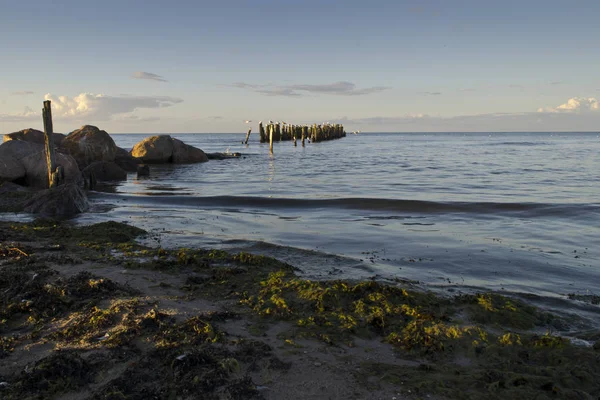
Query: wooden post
point(261, 132)
point(248, 135)
point(271, 138)
point(48, 131)
point(304, 130)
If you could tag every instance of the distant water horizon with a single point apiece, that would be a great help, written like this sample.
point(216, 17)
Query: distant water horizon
point(513, 212)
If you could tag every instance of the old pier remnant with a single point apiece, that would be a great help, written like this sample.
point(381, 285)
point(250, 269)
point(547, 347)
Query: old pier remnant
point(314, 133)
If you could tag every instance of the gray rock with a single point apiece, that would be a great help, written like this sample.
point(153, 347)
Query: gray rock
point(186, 154)
point(88, 144)
point(143, 170)
point(21, 155)
point(125, 160)
point(163, 149)
point(105, 171)
point(223, 156)
point(154, 150)
point(61, 201)
point(34, 136)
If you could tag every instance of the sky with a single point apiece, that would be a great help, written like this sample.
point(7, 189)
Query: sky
point(375, 66)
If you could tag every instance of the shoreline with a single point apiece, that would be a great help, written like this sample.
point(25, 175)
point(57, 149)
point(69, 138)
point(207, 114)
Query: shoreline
point(108, 318)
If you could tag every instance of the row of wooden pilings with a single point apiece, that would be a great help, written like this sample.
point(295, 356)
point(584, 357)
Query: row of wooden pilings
point(276, 132)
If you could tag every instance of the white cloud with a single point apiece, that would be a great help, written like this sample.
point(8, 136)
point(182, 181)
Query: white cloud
point(341, 88)
point(103, 107)
point(574, 105)
point(148, 75)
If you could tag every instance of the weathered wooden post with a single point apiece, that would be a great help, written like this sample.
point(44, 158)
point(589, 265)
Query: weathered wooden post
point(271, 138)
point(248, 135)
point(48, 131)
point(261, 132)
point(304, 131)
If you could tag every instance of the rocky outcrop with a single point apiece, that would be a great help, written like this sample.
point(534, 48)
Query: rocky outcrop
point(60, 201)
point(125, 160)
point(164, 149)
point(34, 136)
point(88, 144)
point(105, 171)
point(25, 163)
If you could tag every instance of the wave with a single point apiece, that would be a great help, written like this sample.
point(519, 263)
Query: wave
point(367, 204)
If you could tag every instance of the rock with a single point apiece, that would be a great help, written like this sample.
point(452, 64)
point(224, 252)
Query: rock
point(105, 171)
point(186, 154)
point(164, 149)
point(9, 187)
point(597, 345)
point(154, 149)
point(88, 144)
point(32, 158)
point(143, 170)
point(61, 201)
point(125, 160)
point(10, 169)
point(34, 136)
point(222, 156)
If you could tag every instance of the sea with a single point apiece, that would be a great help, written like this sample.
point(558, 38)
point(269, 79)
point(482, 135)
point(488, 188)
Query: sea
point(517, 213)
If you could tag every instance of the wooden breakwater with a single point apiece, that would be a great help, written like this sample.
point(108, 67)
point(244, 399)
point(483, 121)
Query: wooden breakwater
point(312, 133)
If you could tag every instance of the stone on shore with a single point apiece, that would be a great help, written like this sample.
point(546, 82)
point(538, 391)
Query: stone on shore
point(60, 201)
point(88, 144)
point(163, 149)
point(17, 156)
point(34, 136)
point(105, 171)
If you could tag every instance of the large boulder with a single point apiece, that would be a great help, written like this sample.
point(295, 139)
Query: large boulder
point(164, 149)
point(88, 144)
point(186, 154)
point(105, 171)
point(60, 201)
point(19, 155)
point(125, 160)
point(154, 149)
point(34, 136)
point(10, 168)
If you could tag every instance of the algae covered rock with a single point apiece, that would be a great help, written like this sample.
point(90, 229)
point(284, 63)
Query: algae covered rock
point(163, 149)
point(88, 144)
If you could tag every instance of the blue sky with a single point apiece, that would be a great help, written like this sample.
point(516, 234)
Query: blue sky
point(206, 66)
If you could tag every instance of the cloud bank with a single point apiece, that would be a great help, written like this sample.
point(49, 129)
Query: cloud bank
point(575, 105)
point(148, 75)
point(341, 88)
point(96, 107)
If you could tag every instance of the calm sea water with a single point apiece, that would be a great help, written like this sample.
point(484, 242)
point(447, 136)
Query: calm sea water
point(518, 212)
